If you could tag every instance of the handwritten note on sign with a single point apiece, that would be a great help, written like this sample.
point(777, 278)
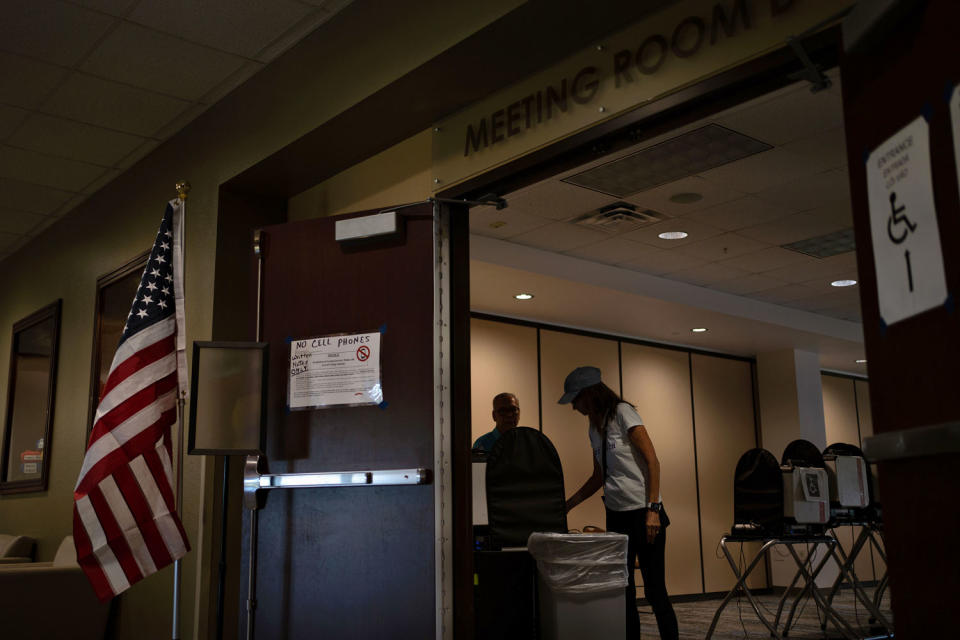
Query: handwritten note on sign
point(335, 370)
point(903, 225)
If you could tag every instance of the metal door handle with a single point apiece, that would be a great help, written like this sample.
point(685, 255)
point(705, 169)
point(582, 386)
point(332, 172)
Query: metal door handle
point(254, 481)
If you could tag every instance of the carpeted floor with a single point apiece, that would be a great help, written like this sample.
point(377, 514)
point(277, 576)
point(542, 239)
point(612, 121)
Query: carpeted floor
point(738, 622)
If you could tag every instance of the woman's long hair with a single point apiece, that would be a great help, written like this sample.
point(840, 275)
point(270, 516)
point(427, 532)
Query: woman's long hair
point(600, 402)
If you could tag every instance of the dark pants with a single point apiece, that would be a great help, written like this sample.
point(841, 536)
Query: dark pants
point(650, 557)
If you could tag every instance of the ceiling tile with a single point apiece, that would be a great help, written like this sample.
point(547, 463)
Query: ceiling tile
point(12, 221)
point(74, 140)
point(51, 220)
point(243, 28)
point(794, 115)
point(748, 284)
point(613, 251)
point(799, 226)
point(559, 237)
point(761, 171)
point(785, 294)
point(113, 7)
point(658, 198)
point(808, 192)
point(25, 82)
point(148, 59)
point(298, 31)
point(51, 30)
point(821, 271)
point(505, 223)
point(181, 120)
point(137, 154)
point(767, 260)
point(658, 262)
point(828, 149)
point(101, 181)
point(10, 119)
point(7, 240)
point(329, 5)
point(231, 82)
point(706, 274)
point(558, 200)
point(727, 245)
point(60, 173)
point(35, 198)
point(696, 231)
point(108, 104)
point(738, 214)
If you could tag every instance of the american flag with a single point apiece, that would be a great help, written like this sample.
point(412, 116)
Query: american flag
point(125, 523)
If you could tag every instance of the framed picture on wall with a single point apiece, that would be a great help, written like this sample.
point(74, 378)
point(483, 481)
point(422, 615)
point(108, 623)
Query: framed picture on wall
point(115, 292)
point(31, 386)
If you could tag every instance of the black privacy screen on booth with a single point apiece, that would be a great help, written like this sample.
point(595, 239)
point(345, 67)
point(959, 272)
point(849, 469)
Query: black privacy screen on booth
point(524, 487)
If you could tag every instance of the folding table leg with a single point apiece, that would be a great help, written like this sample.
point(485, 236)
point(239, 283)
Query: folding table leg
point(811, 585)
point(741, 583)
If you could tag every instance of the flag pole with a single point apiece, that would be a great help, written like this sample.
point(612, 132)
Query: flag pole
point(183, 188)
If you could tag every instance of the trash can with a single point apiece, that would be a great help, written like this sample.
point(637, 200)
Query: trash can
point(581, 582)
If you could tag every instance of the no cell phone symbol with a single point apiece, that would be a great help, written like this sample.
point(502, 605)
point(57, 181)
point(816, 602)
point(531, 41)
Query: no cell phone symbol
point(899, 227)
point(363, 353)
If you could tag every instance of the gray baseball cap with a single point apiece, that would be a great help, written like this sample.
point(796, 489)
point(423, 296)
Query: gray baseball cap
point(578, 380)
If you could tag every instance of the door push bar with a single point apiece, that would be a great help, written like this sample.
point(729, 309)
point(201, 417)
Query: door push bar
point(254, 481)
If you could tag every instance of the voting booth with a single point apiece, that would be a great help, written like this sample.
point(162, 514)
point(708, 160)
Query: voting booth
point(523, 487)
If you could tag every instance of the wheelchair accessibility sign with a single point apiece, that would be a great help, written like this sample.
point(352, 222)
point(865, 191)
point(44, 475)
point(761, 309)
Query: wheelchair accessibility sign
point(907, 253)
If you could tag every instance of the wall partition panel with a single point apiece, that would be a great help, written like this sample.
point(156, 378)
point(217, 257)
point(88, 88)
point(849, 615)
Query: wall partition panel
point(503, 357)
point(723, 414)
point(865, 415)
point(839, 410)
point(842, 425)
point(657, 382)
point(560, 353)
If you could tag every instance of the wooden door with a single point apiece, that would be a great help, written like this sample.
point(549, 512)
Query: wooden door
point(357, 562)
point(901, 70)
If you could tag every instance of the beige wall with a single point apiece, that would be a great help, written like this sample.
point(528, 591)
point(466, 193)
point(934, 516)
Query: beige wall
point(843, 420)
point(399, 175)
point(862, 390)
point(840, 410)
point(673, 391)
point(723, 409)
point(657, 382)
point(503, 358)
point(277, 106)
point(561, 353)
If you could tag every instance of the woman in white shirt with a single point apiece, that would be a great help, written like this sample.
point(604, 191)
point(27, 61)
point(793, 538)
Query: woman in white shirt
point(627, 468)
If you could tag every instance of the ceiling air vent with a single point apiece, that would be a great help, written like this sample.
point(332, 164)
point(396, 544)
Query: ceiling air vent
point(618, 217)
point(831, 244)
point(679, 157)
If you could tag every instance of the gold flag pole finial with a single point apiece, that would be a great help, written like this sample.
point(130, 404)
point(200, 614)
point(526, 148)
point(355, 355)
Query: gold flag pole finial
point(183, 188)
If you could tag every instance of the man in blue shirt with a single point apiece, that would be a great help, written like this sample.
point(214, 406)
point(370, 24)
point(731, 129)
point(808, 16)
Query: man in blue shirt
point(506, 415)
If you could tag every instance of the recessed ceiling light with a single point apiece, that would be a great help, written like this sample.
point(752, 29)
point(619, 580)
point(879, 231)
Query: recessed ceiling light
point(496, 224)
point(673, 235)
point(523, 296)
point(699, 330)
point(843, 283)
point(861, 361)
point(686, 198)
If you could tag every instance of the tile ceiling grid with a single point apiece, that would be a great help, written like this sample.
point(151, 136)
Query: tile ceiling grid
point(89, 88)
point(750, 207)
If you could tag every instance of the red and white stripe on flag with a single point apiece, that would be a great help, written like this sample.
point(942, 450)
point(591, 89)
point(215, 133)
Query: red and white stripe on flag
point(125, 523)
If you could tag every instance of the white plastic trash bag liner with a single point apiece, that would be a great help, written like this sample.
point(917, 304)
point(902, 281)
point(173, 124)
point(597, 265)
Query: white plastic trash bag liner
point(580, 562)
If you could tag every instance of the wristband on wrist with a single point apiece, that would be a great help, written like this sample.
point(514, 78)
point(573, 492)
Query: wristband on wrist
point(655, 506)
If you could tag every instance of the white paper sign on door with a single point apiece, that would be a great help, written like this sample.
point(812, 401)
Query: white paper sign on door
point(335, 370)
point(907, 253)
